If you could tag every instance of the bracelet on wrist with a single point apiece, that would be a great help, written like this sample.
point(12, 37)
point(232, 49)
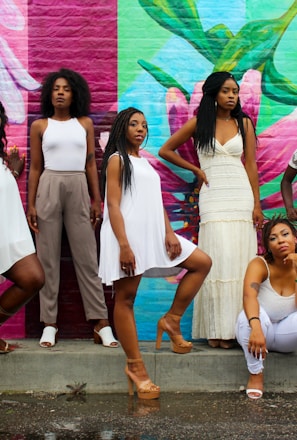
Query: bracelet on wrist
point(254, 317)
point(16, 173)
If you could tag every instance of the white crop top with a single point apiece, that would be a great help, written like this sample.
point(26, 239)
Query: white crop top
point(64, 145)
point(276, 306)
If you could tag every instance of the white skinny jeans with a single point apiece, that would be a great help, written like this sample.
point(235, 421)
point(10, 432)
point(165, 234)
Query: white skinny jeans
point(280, 336)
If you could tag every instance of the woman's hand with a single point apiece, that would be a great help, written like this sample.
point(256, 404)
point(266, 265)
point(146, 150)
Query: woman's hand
point(257, 342)
point(127, 260)
point(291, 259)
point(173, 246)
point(15, 163)
point(95, 213)
point(201, 176)
point(32, 219)
point(258, 217)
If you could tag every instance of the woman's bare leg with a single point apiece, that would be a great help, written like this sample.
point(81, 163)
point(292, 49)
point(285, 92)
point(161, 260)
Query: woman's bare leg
point(198, 265)
point(28, 277)
point(124, 320)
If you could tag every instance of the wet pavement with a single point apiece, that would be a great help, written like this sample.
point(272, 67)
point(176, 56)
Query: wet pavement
point(175, 416)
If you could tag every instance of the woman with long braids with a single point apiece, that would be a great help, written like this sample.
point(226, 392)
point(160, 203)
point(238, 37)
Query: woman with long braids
point(64, 189)
point(18, 262)
point(137, 240)
point(229, 202)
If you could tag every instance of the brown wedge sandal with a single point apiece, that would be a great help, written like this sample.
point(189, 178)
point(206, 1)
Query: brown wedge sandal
point(178, 344)
point(145, 388)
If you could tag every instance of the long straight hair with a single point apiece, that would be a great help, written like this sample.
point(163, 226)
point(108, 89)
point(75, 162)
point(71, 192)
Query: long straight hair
point(3, 123)
point(117, 142)
point(207, 112)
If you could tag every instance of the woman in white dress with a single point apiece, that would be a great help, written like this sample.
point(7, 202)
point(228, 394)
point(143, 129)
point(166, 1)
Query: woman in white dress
point(137, 240)
point(229, 202)
point(18, 261)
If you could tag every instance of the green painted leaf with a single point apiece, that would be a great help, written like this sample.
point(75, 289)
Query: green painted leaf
point(254, 44)
point(181, 18)
point(218, 37)
point(277, 87)
point(162, 77)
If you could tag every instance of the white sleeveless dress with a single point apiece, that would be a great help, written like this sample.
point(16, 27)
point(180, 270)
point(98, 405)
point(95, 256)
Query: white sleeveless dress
point(16, 240)
point(142, 209)
point(228, 236)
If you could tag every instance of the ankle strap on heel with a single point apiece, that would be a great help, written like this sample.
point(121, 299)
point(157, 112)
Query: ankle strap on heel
point(174, 317)
point(134, 361)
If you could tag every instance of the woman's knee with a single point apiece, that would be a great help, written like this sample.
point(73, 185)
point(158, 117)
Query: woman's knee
point(27, 274)
point(199, 261)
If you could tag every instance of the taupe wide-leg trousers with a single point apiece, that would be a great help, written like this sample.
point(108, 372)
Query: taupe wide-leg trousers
point(62, 197)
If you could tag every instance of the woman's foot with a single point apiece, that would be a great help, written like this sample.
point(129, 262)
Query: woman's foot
point(227, 343)
point(170, 324)
point(137, 375)
point(214, 343)
point(103, 334)
point(5, 347)
point(254, 389)
point(49, 336)
point(222, 343)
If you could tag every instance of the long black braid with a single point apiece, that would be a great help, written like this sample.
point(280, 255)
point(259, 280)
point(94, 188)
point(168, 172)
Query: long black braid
point(117, 142)
point(3, 140)
point(206, 115)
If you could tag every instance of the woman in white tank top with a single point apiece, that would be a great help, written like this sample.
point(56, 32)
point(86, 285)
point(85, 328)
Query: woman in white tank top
point(64, 189)
point(269, 319)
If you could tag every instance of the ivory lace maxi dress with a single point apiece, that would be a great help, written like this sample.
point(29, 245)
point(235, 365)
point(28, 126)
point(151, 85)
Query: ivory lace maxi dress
point(228, 236)
point(142, 209)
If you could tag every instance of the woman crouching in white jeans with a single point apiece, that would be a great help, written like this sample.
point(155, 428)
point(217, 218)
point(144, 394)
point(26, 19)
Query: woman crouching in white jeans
point(269, 319)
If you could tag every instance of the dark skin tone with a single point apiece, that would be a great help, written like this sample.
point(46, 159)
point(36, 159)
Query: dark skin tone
point(287, 192)
point(283, 272)
point(61, 100)
point(15, 163)
point(225, 129)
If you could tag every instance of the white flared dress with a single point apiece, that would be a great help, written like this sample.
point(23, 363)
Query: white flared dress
point(228, 236)
point(16, 240)
point(142, 210)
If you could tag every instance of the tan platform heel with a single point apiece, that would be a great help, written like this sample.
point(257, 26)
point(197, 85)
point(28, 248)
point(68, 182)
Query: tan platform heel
point(178, 344)
point(145, 388)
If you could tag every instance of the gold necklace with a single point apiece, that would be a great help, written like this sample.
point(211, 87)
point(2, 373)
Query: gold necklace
point(225, 119)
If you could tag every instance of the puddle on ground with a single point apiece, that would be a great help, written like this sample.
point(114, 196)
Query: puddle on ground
point(175, 416)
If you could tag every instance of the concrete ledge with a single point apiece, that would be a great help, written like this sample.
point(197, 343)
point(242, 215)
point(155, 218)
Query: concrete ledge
point(32, 368)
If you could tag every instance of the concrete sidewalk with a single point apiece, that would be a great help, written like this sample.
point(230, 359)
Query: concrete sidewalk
point(70, 362)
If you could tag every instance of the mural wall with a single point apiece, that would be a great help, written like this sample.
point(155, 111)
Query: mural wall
point(154, 55)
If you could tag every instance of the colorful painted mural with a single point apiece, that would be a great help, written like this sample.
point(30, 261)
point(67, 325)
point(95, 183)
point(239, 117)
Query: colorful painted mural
point(175, 45)
point(155, 55)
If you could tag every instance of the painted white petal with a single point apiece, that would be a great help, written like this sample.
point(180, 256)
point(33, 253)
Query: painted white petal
point(11, 97)
point(15, 67)
point(10, 15)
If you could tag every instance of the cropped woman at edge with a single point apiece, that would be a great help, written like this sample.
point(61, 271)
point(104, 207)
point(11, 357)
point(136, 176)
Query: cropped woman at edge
point(268, 321)
point(18, 263)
